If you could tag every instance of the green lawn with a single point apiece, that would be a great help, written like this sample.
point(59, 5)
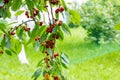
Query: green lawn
point(87, 61)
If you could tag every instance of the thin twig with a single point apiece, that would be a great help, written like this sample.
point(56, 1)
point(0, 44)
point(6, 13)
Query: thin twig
point(22, 23)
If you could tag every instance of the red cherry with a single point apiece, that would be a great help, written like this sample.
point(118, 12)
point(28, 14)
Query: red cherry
point(61, 9)
point(4, 36)
point(52, 43)
point(26, 12)
point(55, 77)
point(37, 39)
point(54, 2)
point(41, 23)
point(48, 66)
point(60, 23)
point(28, 16)
point(6, 1)
point(57, 11)
point(52, 46)
point(56, 36)
point(49, 30)
point(47, 46)
point(56, 55)
point(12, 33)
point(27, 29)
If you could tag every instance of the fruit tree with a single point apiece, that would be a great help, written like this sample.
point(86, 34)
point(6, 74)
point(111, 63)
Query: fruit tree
point(43, 35)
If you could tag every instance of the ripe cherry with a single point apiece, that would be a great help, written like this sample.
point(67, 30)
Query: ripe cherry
point(60, 23)
point(52, 46)
point(12, 33)
point(47, 46)
point(48, 66)
point(49, 30)
point(27, 29)
point(56, 77)
point(57, 36)
point(55, 55)
point(52, 43)
point(6, 1)
point(4, 36)
point(61, 9)
point(37, 39)
point(41, 23)
point(26, 12)
point(54, 2)
point(57, 10)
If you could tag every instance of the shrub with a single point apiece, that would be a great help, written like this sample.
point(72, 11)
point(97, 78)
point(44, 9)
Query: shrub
point(99, 18)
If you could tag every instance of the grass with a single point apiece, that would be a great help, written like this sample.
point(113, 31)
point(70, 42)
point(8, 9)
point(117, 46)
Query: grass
point(88, 61)
point(106, 67)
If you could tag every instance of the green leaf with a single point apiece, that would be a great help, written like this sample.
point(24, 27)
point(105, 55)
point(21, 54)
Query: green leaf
point(50, 52)
point(19, 12)
point(40, 62)
point(117, 26)
point(60, 33)
point(8, 13)
point(8, 52)
point(37, 74)
point(36, 45)
point(55, 29)
point(16, 45)
point(8, 43)
point(3, 13)
point(20, 34)
point(30, 4)
point(16, 4)
point(43, 37)
point(2, 25)
point(64, 4)
point(57, 16)
point(66, 29)
point(62, 77)
point(3, 43)
point(35, 32)
point(74, 16)
point(64, 60)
